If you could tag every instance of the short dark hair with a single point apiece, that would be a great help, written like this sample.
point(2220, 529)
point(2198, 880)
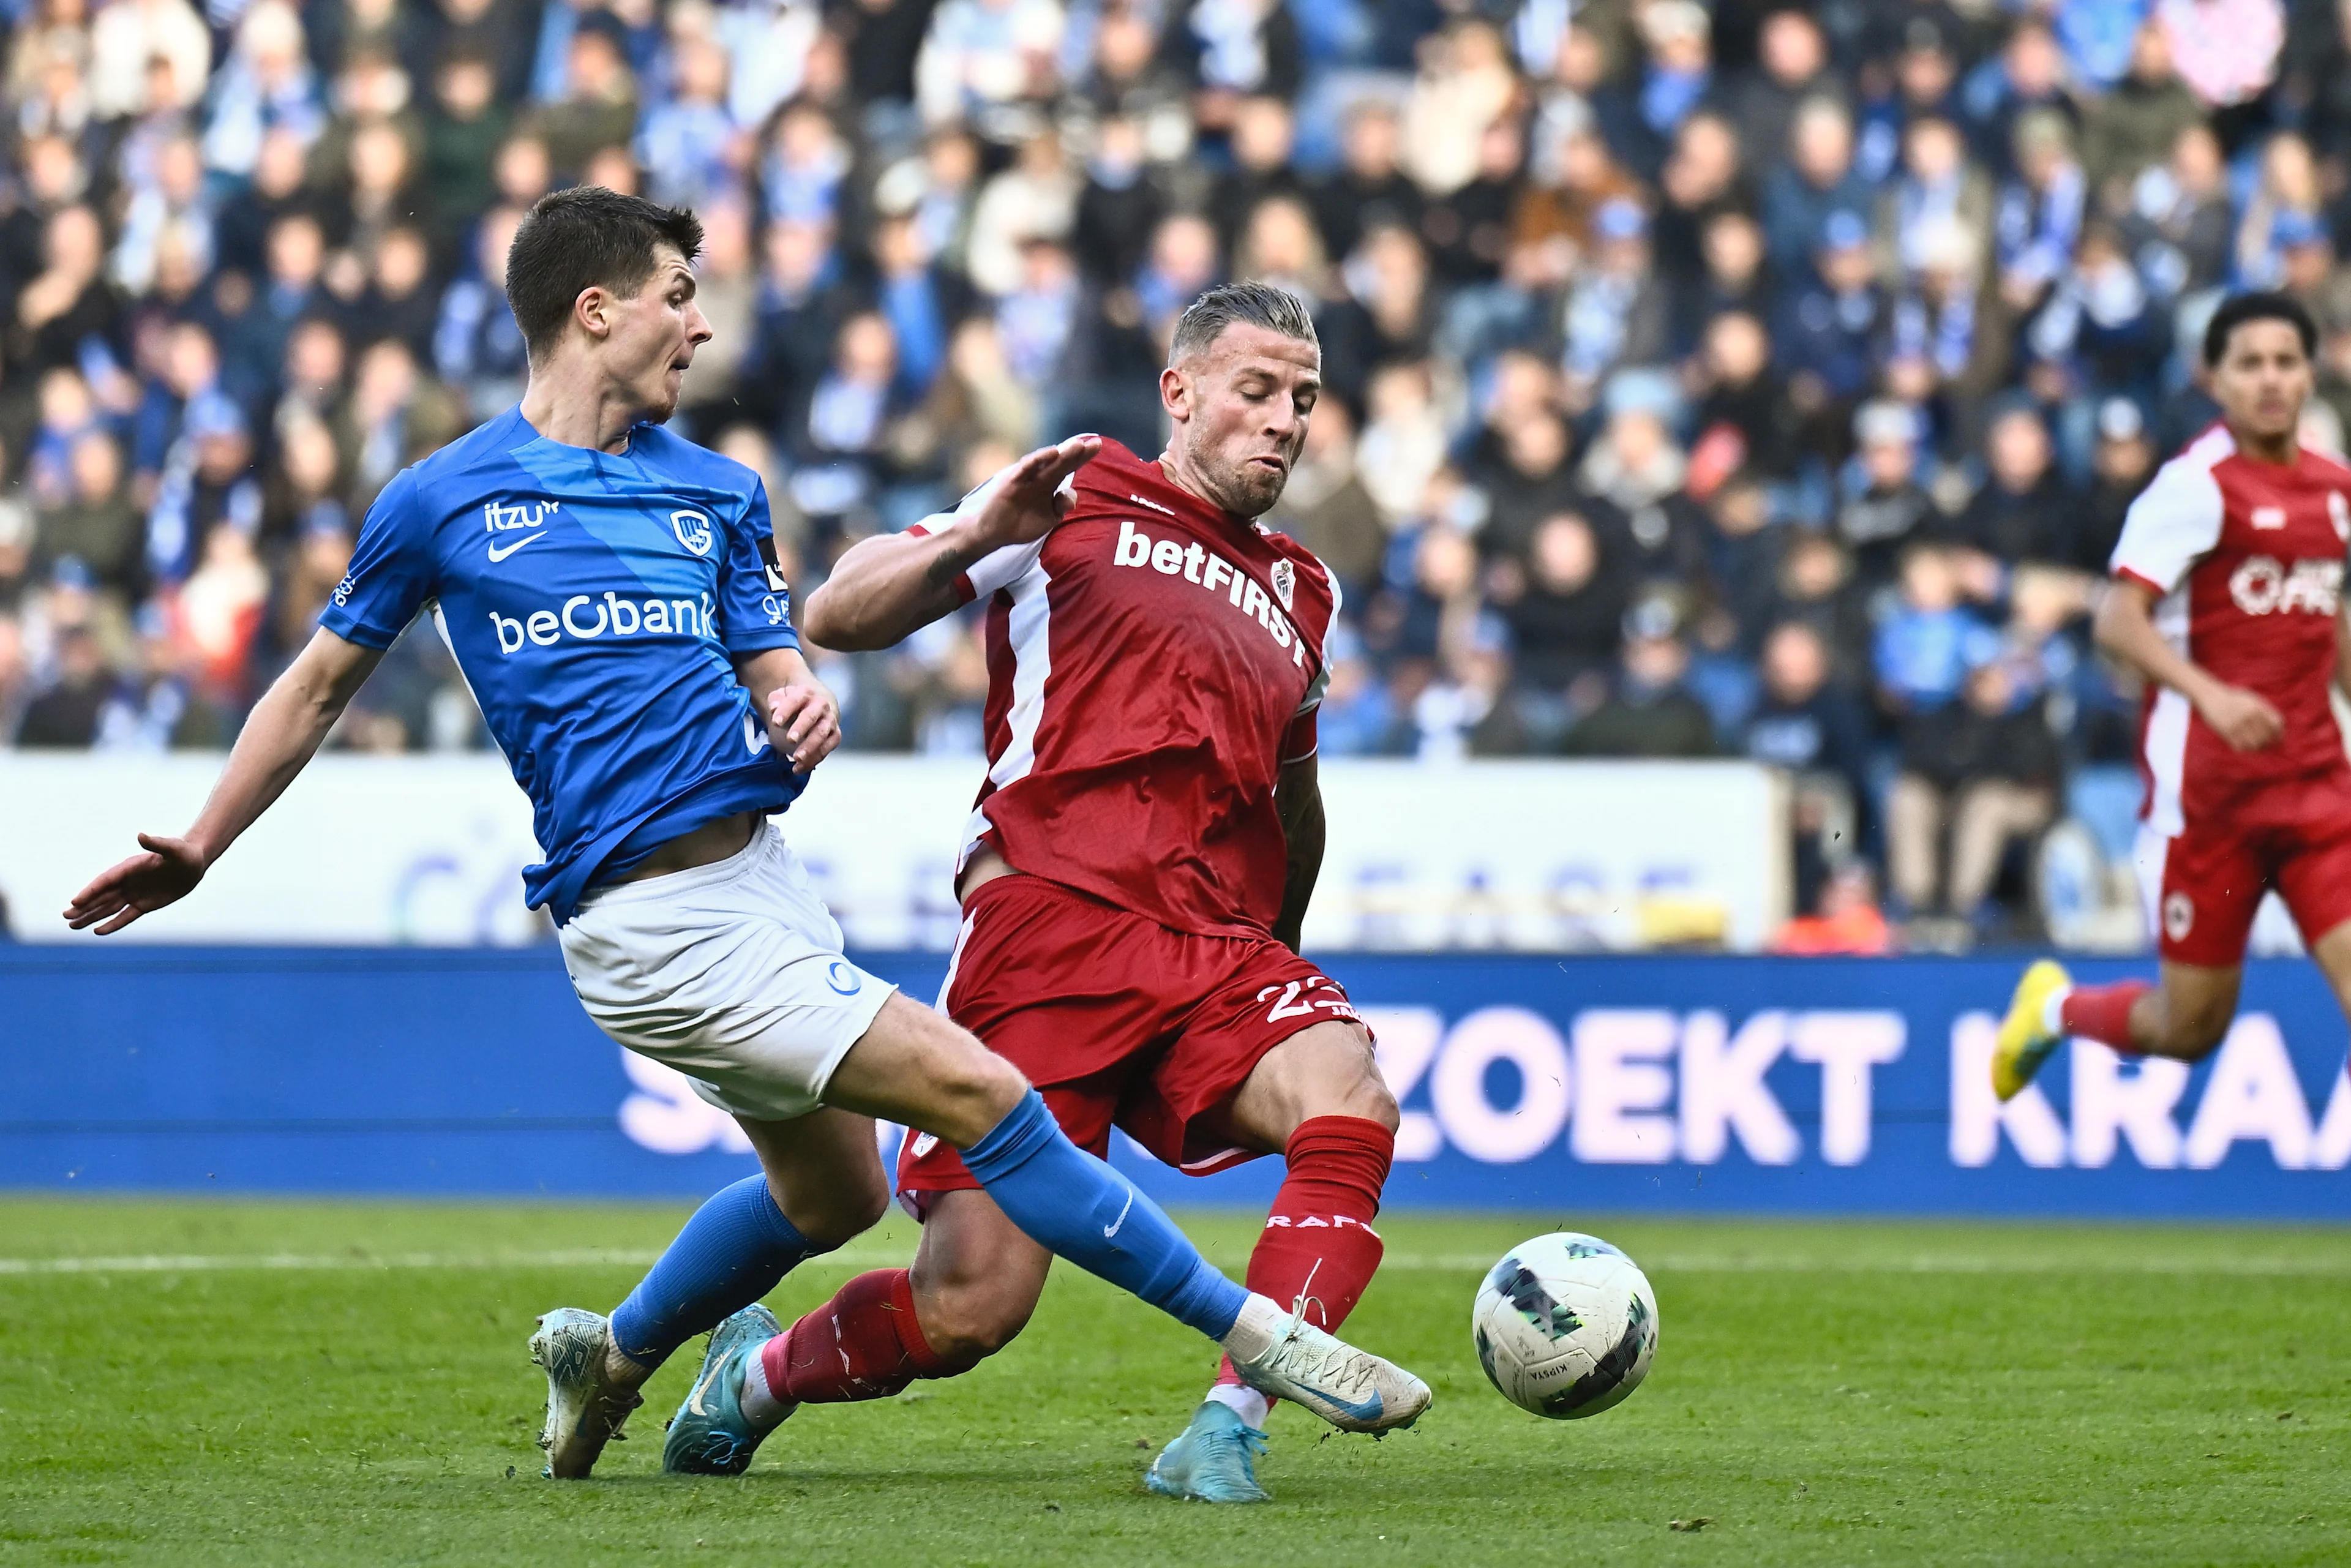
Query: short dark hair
point(2261, 305)
point(1259, 304)
point(587, 238)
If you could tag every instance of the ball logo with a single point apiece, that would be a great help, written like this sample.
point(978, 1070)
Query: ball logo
point(2179, 915)
point(842, 978)
point(693, 530)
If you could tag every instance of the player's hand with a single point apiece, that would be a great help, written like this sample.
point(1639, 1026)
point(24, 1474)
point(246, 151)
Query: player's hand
point(1026, 506)
point(2242, 718)
point(167, 872)
point(803, 723)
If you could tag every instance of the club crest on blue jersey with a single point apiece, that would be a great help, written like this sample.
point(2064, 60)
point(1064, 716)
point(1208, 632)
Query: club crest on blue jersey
point(693, 530)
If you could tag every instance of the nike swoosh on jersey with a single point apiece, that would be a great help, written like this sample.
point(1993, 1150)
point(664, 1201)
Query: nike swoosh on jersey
point(1112, 1229)
point(755, 736)
point(497, 554)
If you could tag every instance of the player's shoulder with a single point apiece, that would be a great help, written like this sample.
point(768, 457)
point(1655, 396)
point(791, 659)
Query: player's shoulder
point(2325, 467)
point(2190, 483)
point(665, 449)
point(487, 450)
point(1116, 468)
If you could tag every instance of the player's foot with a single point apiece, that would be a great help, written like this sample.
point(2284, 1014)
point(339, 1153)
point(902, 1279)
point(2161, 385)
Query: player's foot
point(710, 1435)
point(1213, 1459)
point(2025, 1037)
point(1353, 1390)
point(584, 1410)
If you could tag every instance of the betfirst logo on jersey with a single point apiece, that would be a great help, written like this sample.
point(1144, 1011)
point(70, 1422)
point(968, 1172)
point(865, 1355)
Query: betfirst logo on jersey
point(585, 618)
point(1196, 563)
point(2264, 585)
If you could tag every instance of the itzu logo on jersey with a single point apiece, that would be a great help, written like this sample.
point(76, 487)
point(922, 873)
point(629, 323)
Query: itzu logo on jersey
point(499, 520)
point(2263, 584)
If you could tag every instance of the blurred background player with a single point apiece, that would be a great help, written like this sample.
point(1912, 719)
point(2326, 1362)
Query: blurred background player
point(635, 659)
point(2227, 599)
point(1135, 876)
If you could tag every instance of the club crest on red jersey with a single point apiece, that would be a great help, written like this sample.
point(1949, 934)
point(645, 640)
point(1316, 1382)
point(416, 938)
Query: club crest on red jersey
point(1285, 581)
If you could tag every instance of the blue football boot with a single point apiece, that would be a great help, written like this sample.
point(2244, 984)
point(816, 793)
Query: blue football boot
point(1211, 1460)
point(709, 1436)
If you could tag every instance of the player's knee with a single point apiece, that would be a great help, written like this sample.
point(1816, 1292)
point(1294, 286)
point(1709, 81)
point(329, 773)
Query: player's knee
point(1354, 1083)
point(965, 1327)
point(2193, 1038)
point(850, 1206)
point(976, 1088)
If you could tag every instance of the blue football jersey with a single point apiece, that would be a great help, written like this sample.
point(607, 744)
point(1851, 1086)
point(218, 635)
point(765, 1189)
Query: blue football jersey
point(595, 604)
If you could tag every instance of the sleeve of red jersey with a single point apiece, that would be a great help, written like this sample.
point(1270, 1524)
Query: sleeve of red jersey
point(1301, 740)
point(998, 568)
point(2176, 520)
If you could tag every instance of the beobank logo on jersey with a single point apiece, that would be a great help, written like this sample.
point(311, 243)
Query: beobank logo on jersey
point(2264, 585)
point(585, 618)
point(1195, 563)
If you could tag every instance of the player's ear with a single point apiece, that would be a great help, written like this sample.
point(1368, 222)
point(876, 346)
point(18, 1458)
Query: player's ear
point(593, 310)
point(1175, 394)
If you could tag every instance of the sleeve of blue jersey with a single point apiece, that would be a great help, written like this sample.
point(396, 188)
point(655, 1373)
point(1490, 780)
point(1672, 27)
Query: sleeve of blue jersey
point(390, 576)
point(755, 603)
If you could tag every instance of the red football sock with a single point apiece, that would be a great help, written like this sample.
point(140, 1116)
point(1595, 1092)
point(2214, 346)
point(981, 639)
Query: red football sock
point(2103, 1012)
point(864, 1343)
point(1319, 1242)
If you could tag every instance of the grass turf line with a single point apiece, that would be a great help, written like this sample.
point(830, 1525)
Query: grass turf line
point(1823, 1393)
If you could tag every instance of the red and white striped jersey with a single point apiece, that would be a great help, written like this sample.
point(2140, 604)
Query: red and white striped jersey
point(1151, 664)
point(2246, 558)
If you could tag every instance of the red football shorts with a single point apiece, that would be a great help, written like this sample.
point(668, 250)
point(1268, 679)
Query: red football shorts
point(2213, 874)
point(1119, 1021)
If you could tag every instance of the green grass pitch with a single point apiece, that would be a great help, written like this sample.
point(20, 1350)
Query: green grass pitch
point(1823, 1393)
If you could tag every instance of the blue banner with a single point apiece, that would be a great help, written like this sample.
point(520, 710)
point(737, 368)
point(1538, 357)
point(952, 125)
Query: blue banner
point(1554, 1085)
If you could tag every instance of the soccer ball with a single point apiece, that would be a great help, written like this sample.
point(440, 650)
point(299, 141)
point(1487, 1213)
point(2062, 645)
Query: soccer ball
point(1565, 1325)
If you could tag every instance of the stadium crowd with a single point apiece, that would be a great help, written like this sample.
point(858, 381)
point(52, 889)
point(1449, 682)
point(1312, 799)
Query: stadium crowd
point(1743, 379)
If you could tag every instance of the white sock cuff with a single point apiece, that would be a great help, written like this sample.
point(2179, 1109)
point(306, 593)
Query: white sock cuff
point(2052, 1011)
point(762, 1405)
point(1244, 1401)
point(1253, 1332)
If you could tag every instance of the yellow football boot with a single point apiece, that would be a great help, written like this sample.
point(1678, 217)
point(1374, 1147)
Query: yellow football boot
point(2025, 1041)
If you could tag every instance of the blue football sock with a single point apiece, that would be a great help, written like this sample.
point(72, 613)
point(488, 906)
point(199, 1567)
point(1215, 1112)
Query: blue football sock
point(731, 1253)
point(1087, 1212)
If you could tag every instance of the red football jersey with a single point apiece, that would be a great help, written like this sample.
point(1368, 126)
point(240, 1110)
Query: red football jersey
point(1152, 663)
point(2247, 559)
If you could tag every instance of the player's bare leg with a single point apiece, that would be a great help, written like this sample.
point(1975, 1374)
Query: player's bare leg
point(821, 1185)
point(1319, 1100)
point(2184, 1015)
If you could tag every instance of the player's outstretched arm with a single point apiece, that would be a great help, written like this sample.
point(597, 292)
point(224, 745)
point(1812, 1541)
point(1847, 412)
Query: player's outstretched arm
point(893, 584)
point(1298, 800)
point(278, 740)
point(803, 719)
point(2126, 628)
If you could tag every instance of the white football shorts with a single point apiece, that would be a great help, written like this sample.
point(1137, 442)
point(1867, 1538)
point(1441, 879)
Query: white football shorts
point(731, 972)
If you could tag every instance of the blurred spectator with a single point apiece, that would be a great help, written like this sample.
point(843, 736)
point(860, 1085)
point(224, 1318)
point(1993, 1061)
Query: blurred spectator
point(1982, 772)
point(2134, 125)
point(1927, 644)
point(1884, 508)
point(1650, 711)
point(2025, 511)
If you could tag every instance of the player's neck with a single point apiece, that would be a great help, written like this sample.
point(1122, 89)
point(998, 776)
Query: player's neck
point(572, 407)
point(2281, 450)
point(1184, 480)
